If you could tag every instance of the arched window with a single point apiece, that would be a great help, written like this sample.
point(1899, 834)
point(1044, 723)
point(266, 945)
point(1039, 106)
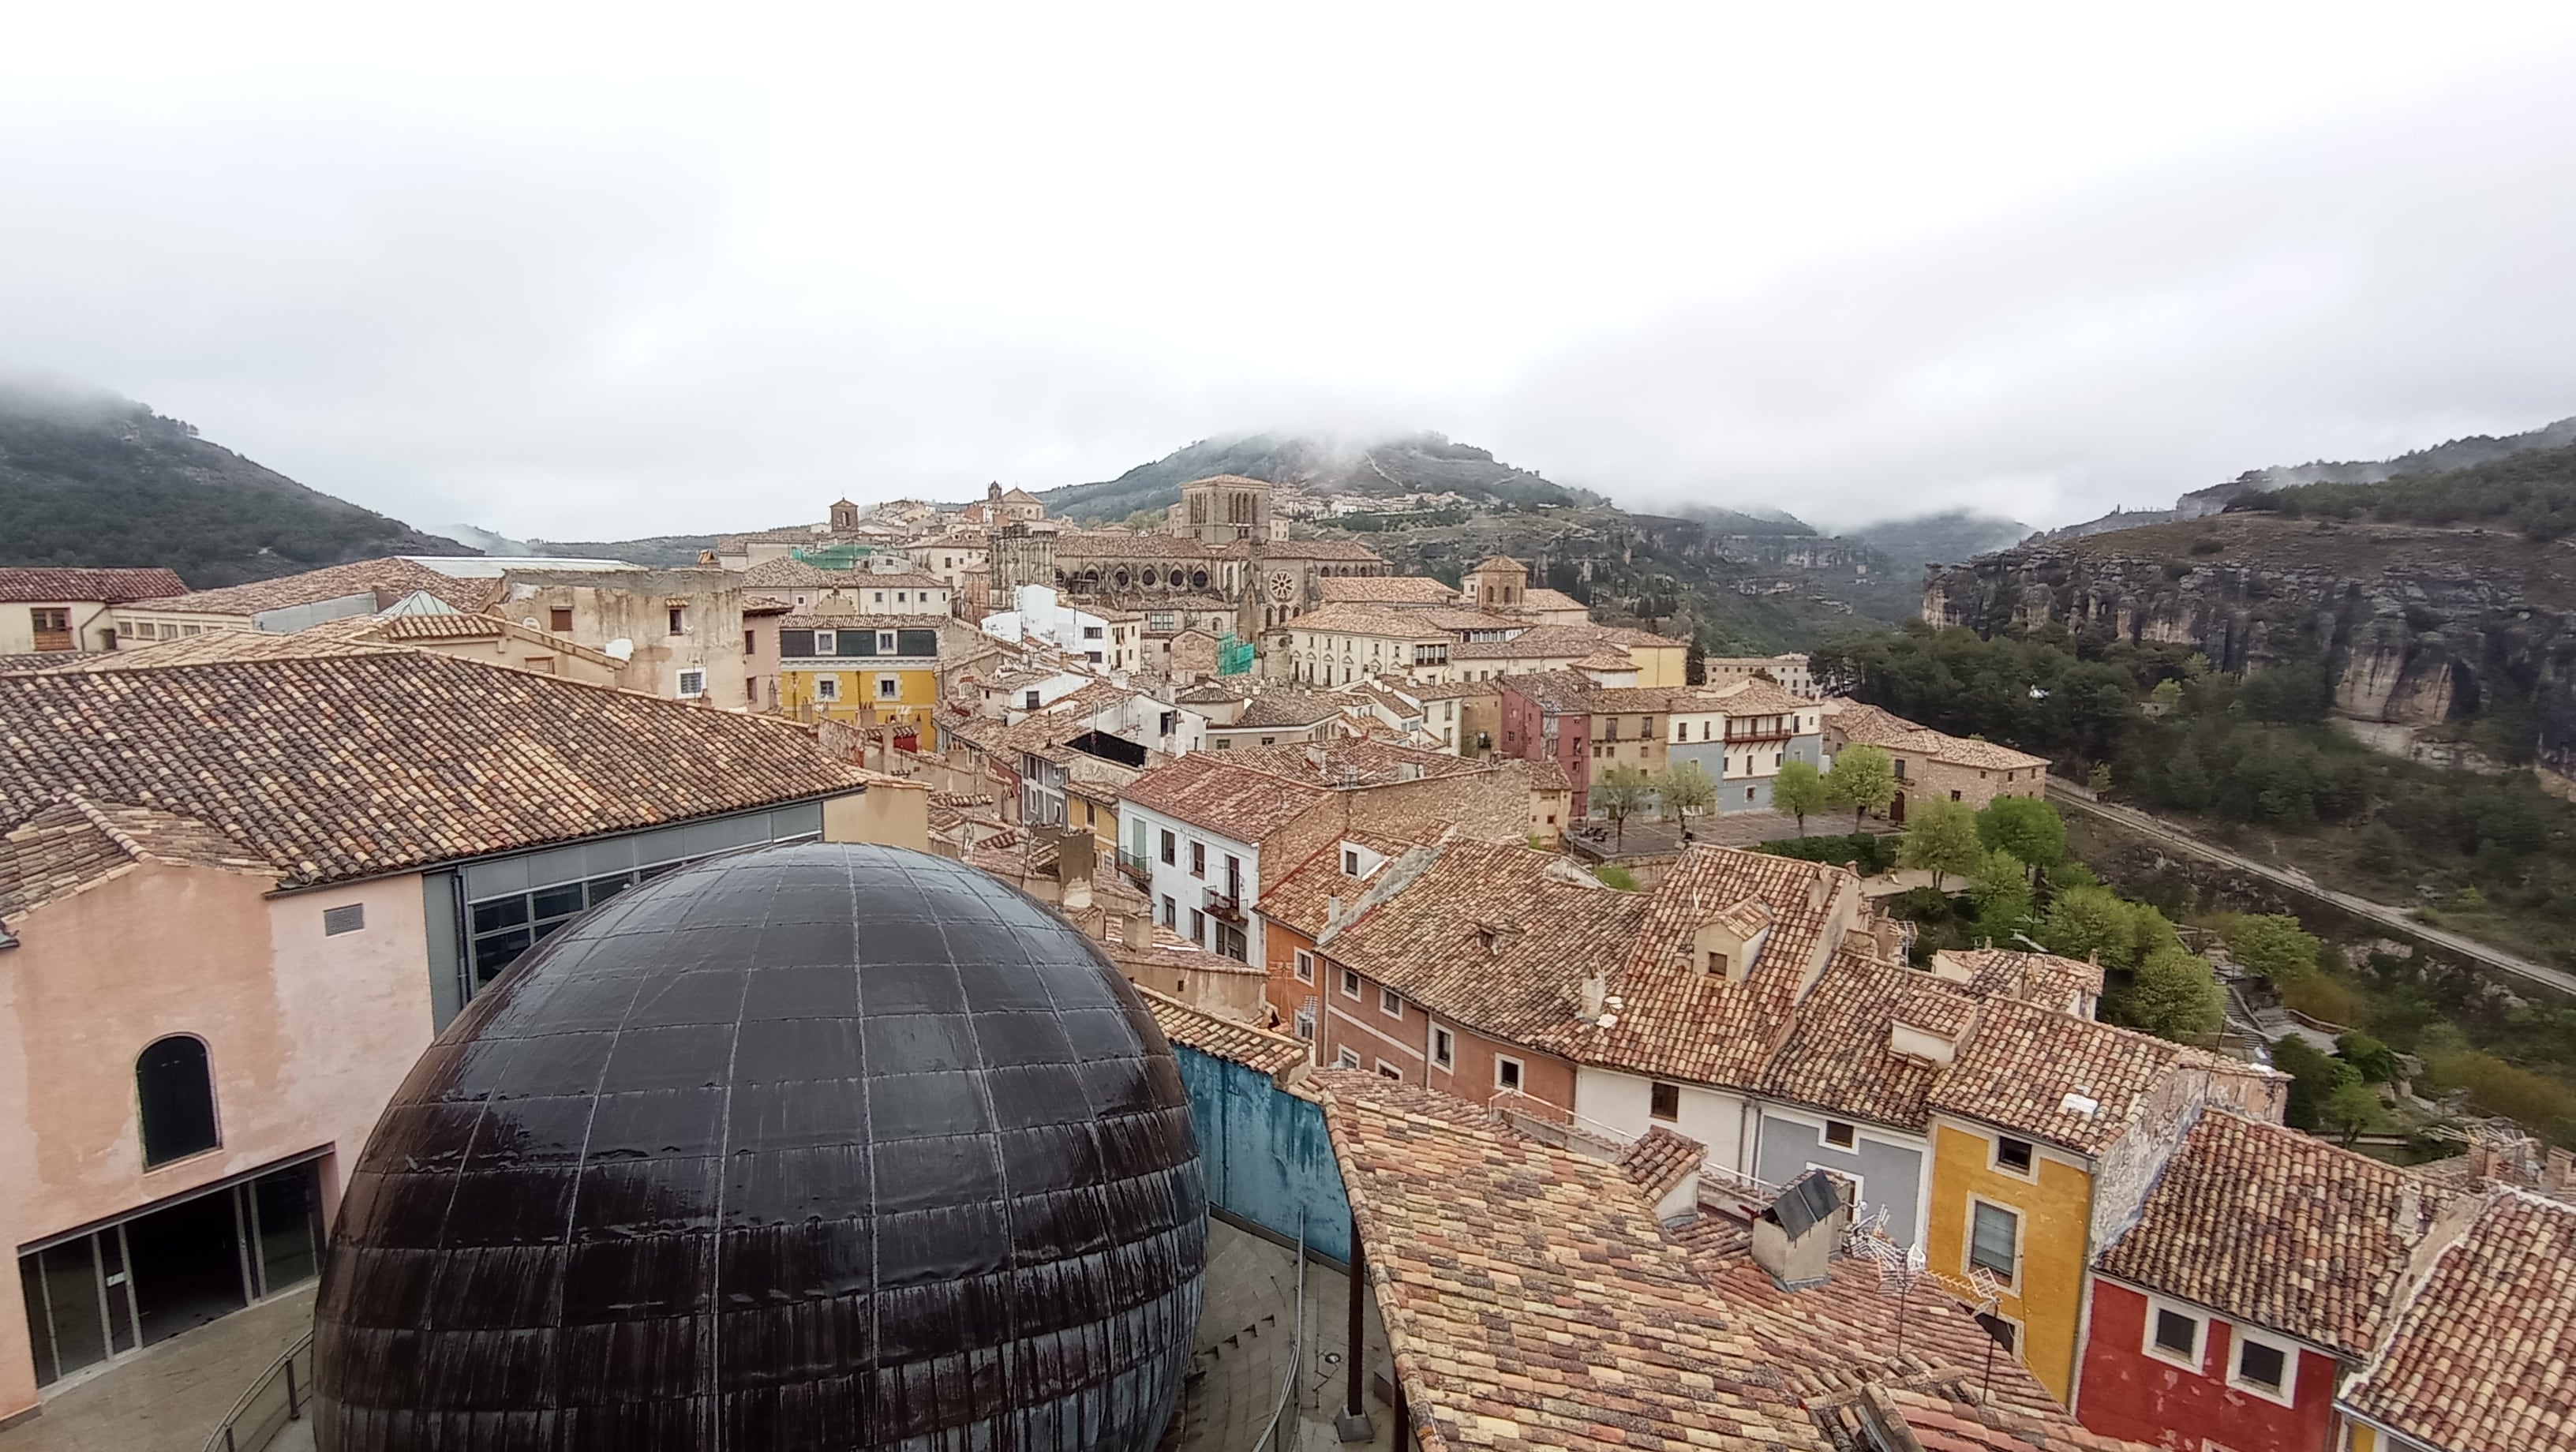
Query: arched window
point(177, 1093)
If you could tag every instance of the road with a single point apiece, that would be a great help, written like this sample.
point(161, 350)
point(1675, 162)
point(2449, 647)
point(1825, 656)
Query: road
point(2299, 882)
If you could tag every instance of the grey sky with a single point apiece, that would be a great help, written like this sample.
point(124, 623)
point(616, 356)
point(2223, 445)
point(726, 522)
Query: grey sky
point(614, 271)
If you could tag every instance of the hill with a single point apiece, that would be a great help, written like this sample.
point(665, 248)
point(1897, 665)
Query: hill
point(2532, 492)
point(91, 479)
point(1940, 539)
point(1389, 469)
point(2475, 450)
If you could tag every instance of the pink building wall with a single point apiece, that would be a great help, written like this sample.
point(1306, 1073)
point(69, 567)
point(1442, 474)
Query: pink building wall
point(307, 1035)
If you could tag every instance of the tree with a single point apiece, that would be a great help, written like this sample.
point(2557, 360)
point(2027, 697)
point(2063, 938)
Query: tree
point(1942, 839)
point(1687, 787)
point(1799, 789)
point(2173, 996)
point(1863, 779)
point(2026, 827)
point(2094, 922)
point(2351, 1111)
point(2314, 1077)
point(2000, 887)
point(2374, 1061)
point(1620, 793)
point(2273, 945)
point(1147, 521)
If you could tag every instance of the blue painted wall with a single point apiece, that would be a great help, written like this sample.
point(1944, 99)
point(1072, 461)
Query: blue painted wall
point(1265, 1153)
point(1889, 1174)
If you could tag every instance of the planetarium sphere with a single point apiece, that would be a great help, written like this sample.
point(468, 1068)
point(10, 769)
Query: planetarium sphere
point(807, 1146)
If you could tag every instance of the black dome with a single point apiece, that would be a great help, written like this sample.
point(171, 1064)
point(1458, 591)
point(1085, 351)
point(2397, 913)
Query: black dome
point(805, 1146)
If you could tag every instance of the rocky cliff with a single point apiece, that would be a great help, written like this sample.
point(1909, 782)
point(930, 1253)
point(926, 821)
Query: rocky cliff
point(2419, 627)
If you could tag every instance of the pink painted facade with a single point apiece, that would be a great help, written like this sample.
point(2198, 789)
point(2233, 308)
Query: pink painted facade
point(2190, 1404)
point(1524, 736)
point(306, 1035)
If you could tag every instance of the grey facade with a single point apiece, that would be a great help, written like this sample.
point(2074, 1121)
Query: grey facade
point(1890, 1172)
point(482, 915)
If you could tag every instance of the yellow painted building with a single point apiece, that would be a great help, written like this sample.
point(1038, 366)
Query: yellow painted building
point(1990, 1188)
point(1664, 664)
point(865, 672)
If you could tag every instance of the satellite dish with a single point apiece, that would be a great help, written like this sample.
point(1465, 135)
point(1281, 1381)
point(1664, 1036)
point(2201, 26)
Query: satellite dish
point(529, 621)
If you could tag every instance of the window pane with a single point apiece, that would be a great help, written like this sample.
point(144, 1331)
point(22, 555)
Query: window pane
point(500, 913)
point(176, 1093)
point(604, 888)
point(497, 952)
point(559, 902)
point(286, 1240)
point(2260, 1364)
point(70, 1292)
point(2176, 1333)
point(1993, 1247)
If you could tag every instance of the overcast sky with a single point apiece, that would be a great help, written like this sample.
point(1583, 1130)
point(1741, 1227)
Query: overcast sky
point(619, 270)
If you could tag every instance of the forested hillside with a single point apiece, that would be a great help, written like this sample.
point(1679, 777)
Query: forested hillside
point(93, 479)
point(2533, 492)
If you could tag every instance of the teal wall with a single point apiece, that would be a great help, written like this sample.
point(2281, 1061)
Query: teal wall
point(1265, 1154)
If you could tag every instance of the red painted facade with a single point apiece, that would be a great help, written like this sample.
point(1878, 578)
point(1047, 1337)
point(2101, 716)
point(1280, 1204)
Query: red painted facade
point(1524, 737)
point(2126, 1391)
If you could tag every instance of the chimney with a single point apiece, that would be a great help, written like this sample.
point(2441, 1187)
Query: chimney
point(1596, 994)
point(1796, 1235)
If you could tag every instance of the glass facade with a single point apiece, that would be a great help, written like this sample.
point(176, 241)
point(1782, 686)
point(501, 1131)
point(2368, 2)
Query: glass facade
point(169, 1268)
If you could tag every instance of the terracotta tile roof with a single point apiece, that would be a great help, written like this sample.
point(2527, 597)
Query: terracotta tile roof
point(2042, 978)
point(812, 620)
point(1494, 937)
point(1256, 1049)
point(1758, 698)
point(1447, 690)
point(1334, 551)
point(388, 579)
point(1677, 1020)
point(1384, 590)
point(1529, 1298)
point(456, 625)
point(789, 571)
point(1302, 897)
point(2265, 1224)
point(45, 585)
point(350, 766)
point(1385, 621)
point(216, 646)
point(1286, 708)
point(1499, 562)
point(1573, 642)
point(1838, 1057)
point(1346, 760)
point(71, 843)
point(1947, 1420)
point(1544, 599)
point(1549, 776)
point(1659, 1160)
point(2034, 1071)
point(1207, 791)
point(1835, 1340)
point(1093, 544)
point(1871, 726)
point(2483, 1357)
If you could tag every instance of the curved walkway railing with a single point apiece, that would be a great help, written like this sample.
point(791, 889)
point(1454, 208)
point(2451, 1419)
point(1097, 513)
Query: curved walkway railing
point(1296, 1351)
point(281, 1395)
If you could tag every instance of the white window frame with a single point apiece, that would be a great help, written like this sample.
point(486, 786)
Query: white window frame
point(827, 688)
point(885, 642)
point(683, 684)
point(2158, 1308)
point(1444, 1047)
point(2287, 1394)
point(1858, 1182)
point(1388, 1070)
point(827, 642)
point(1305, 966)
point(1995, 1158)
point(1654, 1084)
point(1390, 1002)
point(1350, 983)
point(1520, 1073)
point(1968, 1264)
point(1825, 1136)
point(889, 688)
point(1347, 1058)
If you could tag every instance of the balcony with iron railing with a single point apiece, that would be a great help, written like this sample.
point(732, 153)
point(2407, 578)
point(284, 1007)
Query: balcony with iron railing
point(1226, 902)
point(1137, 867)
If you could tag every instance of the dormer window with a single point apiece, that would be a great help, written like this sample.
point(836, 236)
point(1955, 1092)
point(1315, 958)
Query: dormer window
point(1717, 964)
